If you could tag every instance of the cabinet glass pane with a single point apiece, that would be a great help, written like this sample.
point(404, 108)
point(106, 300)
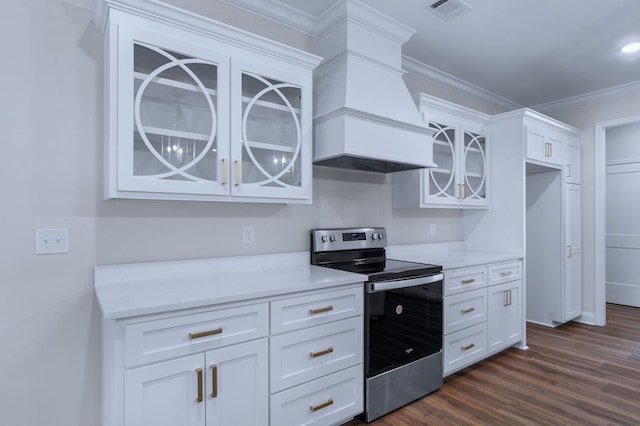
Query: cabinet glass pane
point(442, 179)
point(271, 132)
point(474, 166)
point(175, 112)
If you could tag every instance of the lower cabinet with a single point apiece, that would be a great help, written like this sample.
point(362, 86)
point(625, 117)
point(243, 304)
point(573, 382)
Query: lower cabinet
point(482, 312)
point(220, 387)
point(289, 360)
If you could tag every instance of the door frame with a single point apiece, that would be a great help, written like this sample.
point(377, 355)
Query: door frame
point(600, 213)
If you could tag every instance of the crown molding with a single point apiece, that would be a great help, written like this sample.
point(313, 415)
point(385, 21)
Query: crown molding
point(599, 95)
point(448, 81)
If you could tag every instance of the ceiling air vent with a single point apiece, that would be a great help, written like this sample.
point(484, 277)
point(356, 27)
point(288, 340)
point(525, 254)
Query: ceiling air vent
point(448, 9)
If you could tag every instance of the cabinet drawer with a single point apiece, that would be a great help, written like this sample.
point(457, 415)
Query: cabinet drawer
point(327, 400)
point(305, 355)
point(159, 339)
point(321, 308)
point(505, 272)
point(464, 310)
point(465, 347)
point(459, 280)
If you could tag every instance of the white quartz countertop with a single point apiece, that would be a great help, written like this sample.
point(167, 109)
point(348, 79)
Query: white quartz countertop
point(449, 256)
point(144, 288)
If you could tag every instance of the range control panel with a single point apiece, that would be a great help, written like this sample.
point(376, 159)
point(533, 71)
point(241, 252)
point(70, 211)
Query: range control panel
point(348, 238)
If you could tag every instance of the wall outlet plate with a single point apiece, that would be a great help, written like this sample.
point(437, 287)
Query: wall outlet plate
point(248, 234)
point(52, 241)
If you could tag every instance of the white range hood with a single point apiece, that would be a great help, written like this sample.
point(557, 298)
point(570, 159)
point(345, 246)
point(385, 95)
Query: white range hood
point(364, 116)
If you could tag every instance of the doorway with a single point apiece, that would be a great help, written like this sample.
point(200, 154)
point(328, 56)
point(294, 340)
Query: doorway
point(600, 230)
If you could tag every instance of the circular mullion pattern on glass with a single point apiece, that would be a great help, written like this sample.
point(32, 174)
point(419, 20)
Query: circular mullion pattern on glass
point(175, 62)
point(276, 89)
point(475, 191)
point(442, 132)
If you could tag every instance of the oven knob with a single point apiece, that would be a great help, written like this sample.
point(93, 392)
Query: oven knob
point(380, 236)
point(374, 236)
point(325, 238)
point(332, 238)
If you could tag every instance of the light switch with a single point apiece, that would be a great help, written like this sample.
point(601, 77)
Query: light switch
point(52, 241)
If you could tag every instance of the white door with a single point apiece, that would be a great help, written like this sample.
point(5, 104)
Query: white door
point(270, 131)
point(573, 256)
point(172, 113)
point(237, 385)
point(504, 316)
point(473, 168)
point(166, 394)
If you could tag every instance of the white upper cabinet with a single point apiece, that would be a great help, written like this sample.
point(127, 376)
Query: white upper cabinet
point(544, 145)
point(197, 110)
point(460, 153)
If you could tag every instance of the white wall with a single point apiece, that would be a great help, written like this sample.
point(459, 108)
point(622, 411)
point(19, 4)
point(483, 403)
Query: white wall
point(51, 124)
point(585, 117)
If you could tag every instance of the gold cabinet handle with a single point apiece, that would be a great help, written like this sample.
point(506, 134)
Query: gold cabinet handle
point(460, 191)
point(214, 381)
point(506, 273)
point(199, 374)
point(469, 346)
point(469, 281)
point(550, 150)
point(464, 186)
point(238, 173)
point(509, 297)
point(324, 352)
point(468, 310)
point(321, 406)
point(321, 310)
point(570, 251)
point(205, 333)
point(568, 170)
point(505, 298)
point(225, 171)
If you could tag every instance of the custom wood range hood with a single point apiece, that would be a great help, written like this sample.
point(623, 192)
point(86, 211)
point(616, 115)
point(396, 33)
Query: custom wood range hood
point(365, 118)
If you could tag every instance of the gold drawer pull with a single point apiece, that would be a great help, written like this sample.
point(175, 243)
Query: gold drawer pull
point(321, 406)
point(466, 311)
point(214, 381)
point(199, 373)
point(205, 333)
point(469, 346)
point(506, 274)
point(317, 354)
point(225, 171)
point(469, 281)
point(320, 310)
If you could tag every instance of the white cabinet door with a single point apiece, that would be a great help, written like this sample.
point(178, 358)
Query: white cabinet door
point(169, 127)
point(504, 320)
point(166, 394)
point(441, 184)
point(572, 168)
point(543, 145)
point(270, 131)
point(573, 259)
point(473, 167)
point(237, 384)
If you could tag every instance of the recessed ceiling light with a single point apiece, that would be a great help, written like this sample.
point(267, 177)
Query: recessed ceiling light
point(631, 47)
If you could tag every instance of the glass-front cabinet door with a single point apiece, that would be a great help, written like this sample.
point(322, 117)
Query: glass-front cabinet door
point(473, 168)
point(442, 182)
point(172, 117)
point(270, 132)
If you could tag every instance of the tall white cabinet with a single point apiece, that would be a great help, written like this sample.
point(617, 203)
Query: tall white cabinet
point(198, 110)
point(538, 157)
point(460, 150)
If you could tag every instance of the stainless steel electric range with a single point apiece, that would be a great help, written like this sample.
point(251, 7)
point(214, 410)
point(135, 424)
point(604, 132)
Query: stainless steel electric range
point(403, 316)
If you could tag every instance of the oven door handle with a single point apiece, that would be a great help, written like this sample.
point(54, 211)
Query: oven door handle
point(375, 287)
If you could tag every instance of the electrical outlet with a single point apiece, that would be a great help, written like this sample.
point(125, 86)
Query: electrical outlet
point(248, 234)
point(52, 241)
point(432, 229)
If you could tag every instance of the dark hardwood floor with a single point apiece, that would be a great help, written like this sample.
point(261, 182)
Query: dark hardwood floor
point(574, 374)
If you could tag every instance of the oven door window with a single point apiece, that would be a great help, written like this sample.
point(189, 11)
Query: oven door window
point(403, 325)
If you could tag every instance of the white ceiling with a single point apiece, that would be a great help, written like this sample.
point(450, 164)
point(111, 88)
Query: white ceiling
point(530, 52)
